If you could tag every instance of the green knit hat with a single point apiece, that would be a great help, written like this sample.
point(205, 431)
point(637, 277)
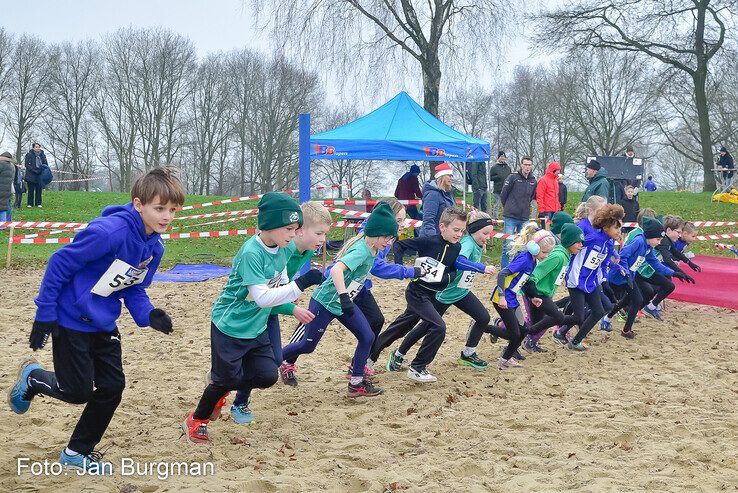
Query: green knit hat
point(570, 234)
point(277, 209)
point(558, 220)
point(381, 222)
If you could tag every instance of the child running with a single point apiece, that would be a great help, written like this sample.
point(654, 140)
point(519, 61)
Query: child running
point(114, 258)
point(242, 357)
point(458, 293)
point(531, 245)
point(439, 254)
point(308, 238)
point(333, 298)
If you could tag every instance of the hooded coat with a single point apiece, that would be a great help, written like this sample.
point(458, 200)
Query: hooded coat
point(7, 175)
point(547, 190)
point(598, 185)
point(435, 201)
point(33, 171)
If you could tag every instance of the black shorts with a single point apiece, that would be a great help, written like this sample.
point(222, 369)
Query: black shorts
point(234, 360)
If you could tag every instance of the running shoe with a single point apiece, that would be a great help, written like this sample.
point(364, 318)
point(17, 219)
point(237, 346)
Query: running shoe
point(497, 322)
point(472, 360)
point(242, 414)
point(422, 375)
point(504, 364)
point(288, 373)
point(518, 356)
point(533, 347)
point(365, 388)
point(653, 313)
point(606, 326)
point(628, 334)
point(559, 338)
point(394, 363)
point(91, 463)
point(576, 347)
point(19, 397)
point(195, 429)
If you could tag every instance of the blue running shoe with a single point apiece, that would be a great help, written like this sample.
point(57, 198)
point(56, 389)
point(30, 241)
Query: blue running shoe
point(242, 414)
point(17, 398)
point(92, 463)
point(653, 313)
point(606, 326)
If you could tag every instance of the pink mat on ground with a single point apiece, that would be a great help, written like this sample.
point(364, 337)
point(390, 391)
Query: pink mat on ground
point(716, 285)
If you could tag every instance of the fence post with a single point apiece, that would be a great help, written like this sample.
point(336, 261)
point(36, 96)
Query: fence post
point(10, 247)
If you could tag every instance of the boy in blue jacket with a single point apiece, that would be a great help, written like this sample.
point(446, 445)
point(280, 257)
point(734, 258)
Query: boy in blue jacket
point(114, 258)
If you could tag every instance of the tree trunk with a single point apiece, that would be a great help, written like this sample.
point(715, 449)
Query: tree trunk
point(703, 118)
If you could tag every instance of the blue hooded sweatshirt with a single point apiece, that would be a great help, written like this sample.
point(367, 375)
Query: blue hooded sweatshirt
point(632, 256)
point(114, 257)
point(585, 271)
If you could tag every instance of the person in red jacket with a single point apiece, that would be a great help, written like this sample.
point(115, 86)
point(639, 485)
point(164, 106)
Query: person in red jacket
point(408, 188)
point(547, 191)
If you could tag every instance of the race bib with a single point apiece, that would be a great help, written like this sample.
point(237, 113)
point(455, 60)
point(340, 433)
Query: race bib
point(119, 275)
point(433, 269)
point(562, 275)
point(594, 259)
point(637, 264)
point(353, 288)
point(467, 278)
point(519, 285)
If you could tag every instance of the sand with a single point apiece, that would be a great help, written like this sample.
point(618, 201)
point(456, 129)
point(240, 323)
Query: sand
point(655, 414)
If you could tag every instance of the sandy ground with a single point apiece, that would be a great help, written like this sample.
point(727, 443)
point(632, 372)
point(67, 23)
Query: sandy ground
point(655, 414)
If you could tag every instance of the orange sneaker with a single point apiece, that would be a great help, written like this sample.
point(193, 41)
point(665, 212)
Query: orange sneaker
point(219, 407)
point(195, 429)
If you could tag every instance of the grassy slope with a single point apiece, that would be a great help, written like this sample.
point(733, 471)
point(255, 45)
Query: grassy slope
point(84, 206)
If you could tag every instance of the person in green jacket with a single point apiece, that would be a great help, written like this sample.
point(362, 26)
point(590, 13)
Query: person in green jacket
point(546, 279)
point(598, 184)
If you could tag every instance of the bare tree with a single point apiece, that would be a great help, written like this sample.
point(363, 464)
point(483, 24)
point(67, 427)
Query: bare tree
point(6, 54)
point(677, 171)
point(685, 35)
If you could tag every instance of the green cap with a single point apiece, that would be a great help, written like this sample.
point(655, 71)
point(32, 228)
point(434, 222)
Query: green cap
point(277, 209)
point(570, 234)
point(381, 222)
point(558, 220)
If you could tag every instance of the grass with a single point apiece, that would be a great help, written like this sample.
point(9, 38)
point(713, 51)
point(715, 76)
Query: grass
point(85, 206)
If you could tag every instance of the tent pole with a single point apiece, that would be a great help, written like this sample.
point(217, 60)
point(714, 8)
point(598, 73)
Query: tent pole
point(304, 157)
point(463, 180)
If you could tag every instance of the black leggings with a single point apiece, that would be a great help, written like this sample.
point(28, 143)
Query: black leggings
point(630, 297)
point(546, 316)
point(470, 305)
point(368, 305)
point(655, 289)
point(514, 332)
point(580, 302)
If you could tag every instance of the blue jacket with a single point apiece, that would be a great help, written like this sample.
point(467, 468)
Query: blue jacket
point(435, 201)
point(650, 186)
point(585, 271)
point(73, 271)
point(632, 256)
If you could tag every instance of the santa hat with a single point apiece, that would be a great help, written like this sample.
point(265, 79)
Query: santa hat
point(443, 169)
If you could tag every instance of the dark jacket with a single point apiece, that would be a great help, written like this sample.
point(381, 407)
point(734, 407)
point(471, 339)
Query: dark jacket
point(669, 253)
point(631, 207)
point(498, 173)
point(598, 185)
point(477, 173)
point(435, 201)
point(434, 247)
point(563, 192)
point(7, 175)
point(20, 187)
point(33, 172)
point(516, 195)
point(408, 187)
point(727, 162)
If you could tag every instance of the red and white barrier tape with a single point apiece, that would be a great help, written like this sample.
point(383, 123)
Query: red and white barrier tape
point(245, 212)
point(725, 236)
point(332, 185)
point(229, 201)
point(80, 179)
point(64, 172)
point(41, 224)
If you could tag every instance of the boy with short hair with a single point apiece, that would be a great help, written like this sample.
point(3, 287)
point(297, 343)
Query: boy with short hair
point(114, 258)
point(308, 238)
point(241, 352)
point(689, 231)
point(631, 207)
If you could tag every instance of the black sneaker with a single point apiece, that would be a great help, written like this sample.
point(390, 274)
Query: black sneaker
point(473, 360)
point(394, 363)
point(365, 388)
point(559, 338)
point(287, 372)
point(497, 322)
point(533, 347)
point(518, 356)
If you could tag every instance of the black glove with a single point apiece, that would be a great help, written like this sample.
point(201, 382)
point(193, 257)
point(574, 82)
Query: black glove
point(159, 320)
point(683, 277)
point(40, 333)
point(347, 306)
point(418, 272)
point(694, 266)
point(310, 278)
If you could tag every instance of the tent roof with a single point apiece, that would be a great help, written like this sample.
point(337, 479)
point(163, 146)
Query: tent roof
point(398, 130)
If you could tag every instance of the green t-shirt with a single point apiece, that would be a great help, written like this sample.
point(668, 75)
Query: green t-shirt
point(550, 272)
point(462, 283)
point(235, 313)
point(358, 260)
point(645, 270)
point(294, 263)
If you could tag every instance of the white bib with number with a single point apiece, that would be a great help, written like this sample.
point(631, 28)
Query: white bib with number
point(433, 268)
point(562, 275)
point(353, 288)
point(519, 285)
point(119, 275)
point(594, 259)
point(467, 278)
point(637, 264)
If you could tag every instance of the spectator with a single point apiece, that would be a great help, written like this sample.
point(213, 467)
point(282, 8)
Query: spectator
point(19, 185)
point(629, 152)
point(7, 174)
point(598, 184)
point(366, 194)
point(516, 195)
point(408, 188)
point(437, 197)
point(650, 186)
point(498, 173)
point(547, 191)
point(563, 192)
point(726, 162)
point(631, 207)
point(35, 162)
point(477, 173)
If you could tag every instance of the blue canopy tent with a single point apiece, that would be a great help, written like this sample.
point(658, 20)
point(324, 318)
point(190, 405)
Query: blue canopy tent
point(399, 130)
